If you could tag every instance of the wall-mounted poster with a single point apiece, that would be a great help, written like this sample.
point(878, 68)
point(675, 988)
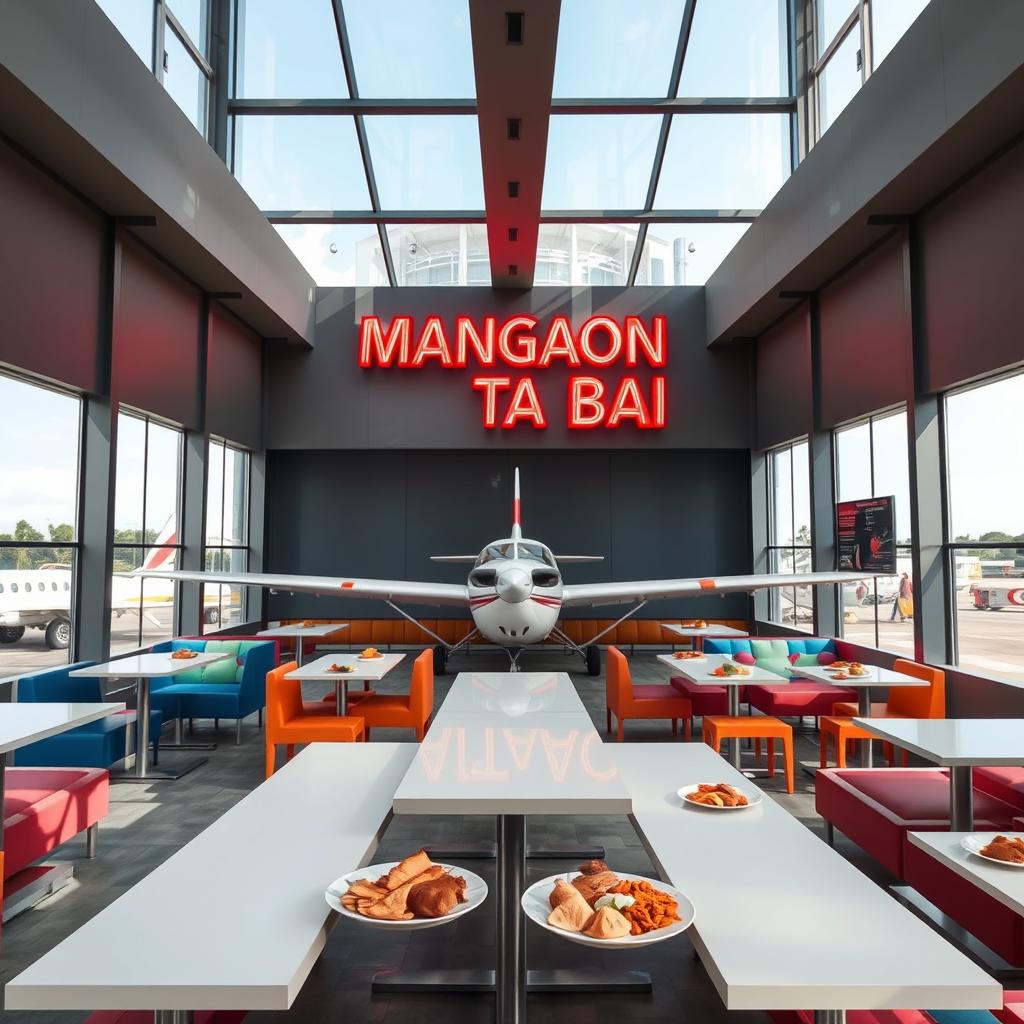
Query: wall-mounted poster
point(866, 530)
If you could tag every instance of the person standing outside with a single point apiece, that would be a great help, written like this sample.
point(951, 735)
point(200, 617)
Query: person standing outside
point(904, 595)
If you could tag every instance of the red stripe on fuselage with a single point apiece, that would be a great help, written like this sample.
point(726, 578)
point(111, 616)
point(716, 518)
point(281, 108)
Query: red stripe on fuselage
point(551, 602)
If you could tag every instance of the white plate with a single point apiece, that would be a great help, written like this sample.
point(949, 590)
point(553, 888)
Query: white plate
point(692, 661)
point(537, 905)
point(973, 844)
point(476, 893)
point(754, 797)
point(376, 657)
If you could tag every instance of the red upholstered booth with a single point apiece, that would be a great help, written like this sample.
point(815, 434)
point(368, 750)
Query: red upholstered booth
point(875, 808)
point(856, 1017)
point(44, 807)
point(796, 698)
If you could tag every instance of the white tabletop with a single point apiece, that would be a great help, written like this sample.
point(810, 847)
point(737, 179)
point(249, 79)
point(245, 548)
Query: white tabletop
point(711, 630)
point(316, 671)
point(1004, 884)
point(506, 760)
point(954, 741)
point(783, 921)
point(699, 672)
point(147, 666)
point(22, 724)
point(241, 910)
point(876, 676)
point(320, 629)
point(512, 694)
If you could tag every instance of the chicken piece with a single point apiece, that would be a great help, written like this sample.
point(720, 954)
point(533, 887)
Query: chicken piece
point(592, 867)
point(437, 896)
point(592, 887)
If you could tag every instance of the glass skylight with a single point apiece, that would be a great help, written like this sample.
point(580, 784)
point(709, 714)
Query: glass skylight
point(599, 161)
point(677, 254)
point(338, 254)
point(440, 254)
point(289, 51)
point(585, 254)
point(300, 163)
point(724, 161)
point(607, 48)
point(426, 162)
point(410, 49)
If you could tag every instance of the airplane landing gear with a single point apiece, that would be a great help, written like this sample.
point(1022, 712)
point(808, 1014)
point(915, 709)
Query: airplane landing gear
point(593, 659)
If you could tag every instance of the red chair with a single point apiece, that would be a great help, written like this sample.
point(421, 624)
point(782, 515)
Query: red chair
point(625, 701)
point(410, 710)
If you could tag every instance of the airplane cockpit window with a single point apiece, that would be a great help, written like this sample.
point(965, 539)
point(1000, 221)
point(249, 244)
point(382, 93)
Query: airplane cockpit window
point(536, 552)
point(28, 588)
point(493, 551)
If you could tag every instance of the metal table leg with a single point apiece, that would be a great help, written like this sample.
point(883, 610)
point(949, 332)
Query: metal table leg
point(298, 651)
point(511, 945)
point(829, 1017)
point(341, 696)
point(961, 798)
point(864, 710)
point(172, 1016)
point(734, 710)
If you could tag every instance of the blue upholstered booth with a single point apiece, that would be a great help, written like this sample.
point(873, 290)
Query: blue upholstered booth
point(96, 745)
point(234, 688)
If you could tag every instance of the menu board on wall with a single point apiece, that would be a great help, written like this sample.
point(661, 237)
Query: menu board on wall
point(866, 531)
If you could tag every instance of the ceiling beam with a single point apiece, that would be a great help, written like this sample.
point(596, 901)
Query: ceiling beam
point(682, 42)
point(351, 107)
point(514, 79)
point(480, 216)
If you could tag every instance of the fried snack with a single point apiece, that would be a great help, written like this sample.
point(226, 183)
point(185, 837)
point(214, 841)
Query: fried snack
point(591, 887)
point(369, 652)
point(592, 867)
point(306, 623)
point(651, 908)
point(391, 908)
point(562, 891)
point(437, 896)
point(407, 870)
point(184, 654)
point(720, 794)
point(339, 668)
point(572, 913)
point(1006, 848)
point(608, 923)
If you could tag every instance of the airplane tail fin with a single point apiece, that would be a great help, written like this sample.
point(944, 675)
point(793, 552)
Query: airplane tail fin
point(517, 530)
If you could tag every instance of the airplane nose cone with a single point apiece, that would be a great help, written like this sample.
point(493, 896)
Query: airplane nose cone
point(514, 585)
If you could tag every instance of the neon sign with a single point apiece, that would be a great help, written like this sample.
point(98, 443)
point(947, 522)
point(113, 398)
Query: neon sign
point(514, 345)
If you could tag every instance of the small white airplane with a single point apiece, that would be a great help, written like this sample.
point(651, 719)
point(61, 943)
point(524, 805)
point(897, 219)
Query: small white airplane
point(514, 593)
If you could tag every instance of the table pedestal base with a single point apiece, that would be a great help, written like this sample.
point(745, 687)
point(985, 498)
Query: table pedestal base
point(165, 773)
point(558, 982)
point(34, 884)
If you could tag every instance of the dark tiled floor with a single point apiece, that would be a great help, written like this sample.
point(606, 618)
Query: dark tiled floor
point(148, 823)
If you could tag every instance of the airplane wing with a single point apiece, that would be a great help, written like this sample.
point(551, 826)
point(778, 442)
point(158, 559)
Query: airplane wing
point(596, 594)
point(335, 586)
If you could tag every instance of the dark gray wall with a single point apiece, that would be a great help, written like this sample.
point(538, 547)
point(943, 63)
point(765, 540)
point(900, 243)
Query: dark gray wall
point(972, 303)
point(383, 514)
point(864, 337)
point(784, 380)
point(322, 399)
point(234, 364)
point(51, 270)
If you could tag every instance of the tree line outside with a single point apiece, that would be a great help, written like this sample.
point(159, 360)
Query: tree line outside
point(11, 557)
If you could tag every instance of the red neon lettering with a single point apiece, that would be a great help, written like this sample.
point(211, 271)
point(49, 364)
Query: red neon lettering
point(658, 403)
point(375, 349)
point(614, 332)
point(637, 338)
point(467, 337)
point(628, 404)
point(432, 344)
point(586, 410)
point(559, 344)
point(525, 405)
point(490, 387)
point(525, 353)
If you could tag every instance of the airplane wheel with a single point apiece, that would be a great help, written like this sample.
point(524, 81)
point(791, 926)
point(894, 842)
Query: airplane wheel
point(440, 659)
point(11, 634)
point(593, 660)
point(58, 635)
point(212, 616)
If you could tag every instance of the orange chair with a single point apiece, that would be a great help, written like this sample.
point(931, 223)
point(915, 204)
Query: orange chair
point(904, 702)
point(290, 720)
point(717, 728)
point(410, 710)
point(624, 700)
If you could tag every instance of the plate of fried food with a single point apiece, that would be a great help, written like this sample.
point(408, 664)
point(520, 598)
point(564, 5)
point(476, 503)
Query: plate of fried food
point(335, 667)
point(690, 656)
point(1002, 849)
point(184, 654)
point(412, 893)
point(607, 909)
point(369, 654)
point(719, 796)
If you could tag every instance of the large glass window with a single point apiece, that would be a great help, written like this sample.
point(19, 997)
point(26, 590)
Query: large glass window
point(985, 484)
point(38, 524)
point(227, 532)
point(871, 461)
point(183, 65)
point(789, 532)
point(147, 499)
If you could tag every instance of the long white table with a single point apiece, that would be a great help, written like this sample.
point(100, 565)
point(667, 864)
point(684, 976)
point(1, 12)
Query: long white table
point(20, 725)
point(959, 744)
point(239, 912)
point(492, 751)
point(782, 920)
